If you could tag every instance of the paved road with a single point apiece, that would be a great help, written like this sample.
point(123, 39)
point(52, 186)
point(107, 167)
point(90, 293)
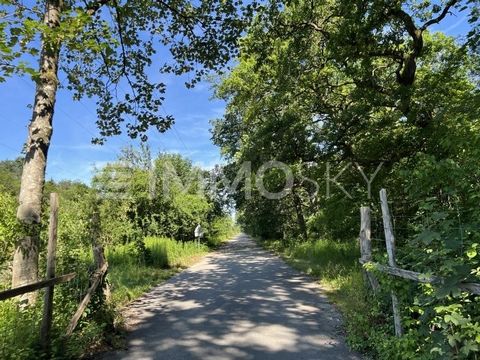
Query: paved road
point(238, 303)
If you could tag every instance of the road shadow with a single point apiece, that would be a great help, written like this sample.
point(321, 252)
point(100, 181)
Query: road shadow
point(239, 303)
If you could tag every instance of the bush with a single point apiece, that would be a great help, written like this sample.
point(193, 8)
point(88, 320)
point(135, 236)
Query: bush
point(220, 230)
point(18, 331)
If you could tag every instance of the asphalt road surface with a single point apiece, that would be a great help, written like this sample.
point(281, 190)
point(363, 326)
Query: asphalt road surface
point(240, 302)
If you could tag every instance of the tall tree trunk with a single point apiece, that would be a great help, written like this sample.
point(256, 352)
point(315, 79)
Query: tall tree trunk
point(25, 261)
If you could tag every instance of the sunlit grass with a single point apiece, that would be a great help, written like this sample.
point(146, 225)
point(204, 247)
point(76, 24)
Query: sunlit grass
point(131, 281)
point(130, 278)
point(171, 253)
point(325, 259)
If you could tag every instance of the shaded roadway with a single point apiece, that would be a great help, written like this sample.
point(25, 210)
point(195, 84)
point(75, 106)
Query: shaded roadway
point(240, 302)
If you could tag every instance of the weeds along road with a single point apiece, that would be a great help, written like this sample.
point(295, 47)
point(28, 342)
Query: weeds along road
point(240, 302)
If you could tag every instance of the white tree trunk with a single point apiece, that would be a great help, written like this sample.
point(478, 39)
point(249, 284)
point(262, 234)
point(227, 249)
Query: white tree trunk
point(25, 262)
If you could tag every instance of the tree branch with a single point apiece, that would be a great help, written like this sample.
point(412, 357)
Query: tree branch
point(407, 21)
point(316, 28)
point(441, 16)
point(407, 67)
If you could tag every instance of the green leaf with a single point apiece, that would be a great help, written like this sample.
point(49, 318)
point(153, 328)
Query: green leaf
point(471, 253)
point(427, 236)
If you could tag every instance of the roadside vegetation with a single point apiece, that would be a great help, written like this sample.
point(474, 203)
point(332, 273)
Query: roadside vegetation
point(146, 232)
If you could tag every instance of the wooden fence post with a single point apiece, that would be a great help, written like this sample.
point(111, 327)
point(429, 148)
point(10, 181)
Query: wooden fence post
point(100, 262)
point(98, 250)
point(98, 277)
point(366, 245)
point(51, 257)
point(96, 280)
point(390, 242)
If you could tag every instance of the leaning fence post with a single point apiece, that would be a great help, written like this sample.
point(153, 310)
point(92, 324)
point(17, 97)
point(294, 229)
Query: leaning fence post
point(100, 261)
point(390, 242)
point(51, 255)
point(366, 245)
point(97, 278)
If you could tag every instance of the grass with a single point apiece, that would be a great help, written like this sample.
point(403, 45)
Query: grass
point(331, 262)
point(174, 253)
point(130, 276)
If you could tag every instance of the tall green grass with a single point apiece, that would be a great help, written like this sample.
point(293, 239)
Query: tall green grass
point(325, 259)
point(171, 253)
point(131, 276)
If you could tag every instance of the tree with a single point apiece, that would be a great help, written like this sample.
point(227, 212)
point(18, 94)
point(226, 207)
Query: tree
point(166, 197)
point(103, 46)
point(318, 83)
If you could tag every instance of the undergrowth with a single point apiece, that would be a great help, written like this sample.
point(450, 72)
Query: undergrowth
point(130, 276)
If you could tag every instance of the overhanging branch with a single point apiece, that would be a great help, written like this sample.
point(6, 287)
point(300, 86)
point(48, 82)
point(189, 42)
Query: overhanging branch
point(440, 17)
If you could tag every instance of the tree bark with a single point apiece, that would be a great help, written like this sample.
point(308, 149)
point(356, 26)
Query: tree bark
point(25, 262)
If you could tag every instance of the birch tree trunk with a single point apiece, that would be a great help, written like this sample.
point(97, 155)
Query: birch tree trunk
point(25, 261)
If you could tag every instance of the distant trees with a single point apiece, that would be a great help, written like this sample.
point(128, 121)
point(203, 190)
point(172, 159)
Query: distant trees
point(134, 197)
point(10, 174)
point(8, 226)
point(167, 197)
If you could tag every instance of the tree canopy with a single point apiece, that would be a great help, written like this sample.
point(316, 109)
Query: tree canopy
point(354, 96)
point(111, 51)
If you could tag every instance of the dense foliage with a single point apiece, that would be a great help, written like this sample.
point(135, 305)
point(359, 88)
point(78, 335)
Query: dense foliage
point(354, 97)
point(104, 50)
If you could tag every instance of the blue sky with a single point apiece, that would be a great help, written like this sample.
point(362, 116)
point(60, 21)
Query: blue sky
point(72, 156)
